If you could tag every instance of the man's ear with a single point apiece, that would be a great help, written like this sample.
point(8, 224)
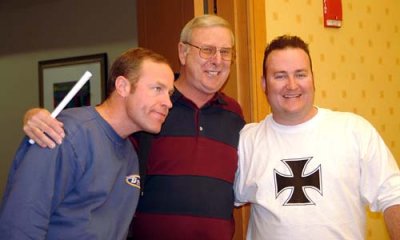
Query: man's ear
point(122, 86)
point(182, 52)
point(264, 84)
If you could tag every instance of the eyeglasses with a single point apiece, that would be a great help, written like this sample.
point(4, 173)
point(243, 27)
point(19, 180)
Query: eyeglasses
point(207, 52)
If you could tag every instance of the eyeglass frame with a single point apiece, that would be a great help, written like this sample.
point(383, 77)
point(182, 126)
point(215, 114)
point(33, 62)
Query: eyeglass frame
point(214, 50)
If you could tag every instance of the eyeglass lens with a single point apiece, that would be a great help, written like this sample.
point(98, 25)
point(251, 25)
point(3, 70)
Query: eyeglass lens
point(210, 51)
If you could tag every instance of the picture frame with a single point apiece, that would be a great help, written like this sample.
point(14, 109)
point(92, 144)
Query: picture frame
point(58, 76)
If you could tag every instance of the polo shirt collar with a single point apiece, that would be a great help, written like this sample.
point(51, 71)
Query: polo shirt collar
point(218, 98)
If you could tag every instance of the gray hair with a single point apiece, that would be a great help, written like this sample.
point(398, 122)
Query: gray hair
point(204, 21)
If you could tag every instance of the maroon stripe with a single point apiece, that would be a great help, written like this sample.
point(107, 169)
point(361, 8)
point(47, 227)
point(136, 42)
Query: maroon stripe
point(197, 156)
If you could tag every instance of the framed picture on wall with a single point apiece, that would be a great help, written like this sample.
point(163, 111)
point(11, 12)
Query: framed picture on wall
point(58, 76)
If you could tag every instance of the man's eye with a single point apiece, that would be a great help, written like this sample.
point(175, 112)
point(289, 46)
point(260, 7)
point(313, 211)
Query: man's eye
point(279, 77)
point(301, 75)
point(225, 52)
point(207, 50)
point(157, 89)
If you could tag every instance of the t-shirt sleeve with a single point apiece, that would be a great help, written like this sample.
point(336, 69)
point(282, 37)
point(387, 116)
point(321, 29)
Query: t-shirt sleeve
point(380, 176)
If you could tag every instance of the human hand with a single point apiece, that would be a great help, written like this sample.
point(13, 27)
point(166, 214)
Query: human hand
point(42, 128)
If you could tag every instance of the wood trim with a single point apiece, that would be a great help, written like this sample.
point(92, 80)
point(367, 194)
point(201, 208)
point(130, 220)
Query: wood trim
point(248, 21)
point(198, 7)
point(257, 35)
point(163, 39)
point(249, 24)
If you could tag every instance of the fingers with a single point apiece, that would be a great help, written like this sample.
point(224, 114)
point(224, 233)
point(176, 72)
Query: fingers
point(39, 137)
point(42, 128)
point(43, 122)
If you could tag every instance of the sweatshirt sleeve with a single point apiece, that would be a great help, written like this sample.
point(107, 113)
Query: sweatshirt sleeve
point(38, 180)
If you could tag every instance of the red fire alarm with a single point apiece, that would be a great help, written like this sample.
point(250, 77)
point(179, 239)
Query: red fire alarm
point(333, 13)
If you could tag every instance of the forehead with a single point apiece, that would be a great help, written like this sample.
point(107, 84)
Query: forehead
point(155, 71)
point(215, 36)
point(288, 59)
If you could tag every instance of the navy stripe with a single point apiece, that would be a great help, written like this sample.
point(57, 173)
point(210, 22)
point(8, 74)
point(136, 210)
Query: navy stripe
point(177, 227)
point(176, 195)
point(217, 123)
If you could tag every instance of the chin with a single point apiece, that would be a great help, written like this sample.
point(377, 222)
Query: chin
point(153, 129)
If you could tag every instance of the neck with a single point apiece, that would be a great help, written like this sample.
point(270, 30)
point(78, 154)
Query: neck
point(197, 97)
point(295, 119)
point(111, 110)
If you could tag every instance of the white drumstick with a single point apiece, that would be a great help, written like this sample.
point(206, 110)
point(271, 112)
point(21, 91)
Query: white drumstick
point(74, 90)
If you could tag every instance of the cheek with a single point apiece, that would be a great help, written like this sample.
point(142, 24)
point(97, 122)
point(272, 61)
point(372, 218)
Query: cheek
point(309, 86)
point(131, 108)
point(227, 66)
point(272, 88)
point(134, 103)
point(193, 66)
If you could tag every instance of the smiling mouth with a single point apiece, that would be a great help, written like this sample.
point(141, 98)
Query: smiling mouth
point(212, 73)
point(161, 115)
point(291, 95)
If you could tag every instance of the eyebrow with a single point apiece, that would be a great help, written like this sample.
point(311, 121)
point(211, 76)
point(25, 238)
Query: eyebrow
point(302, 71)
point(295, 71)
point(212, 46)
point(280, 72)
point(165, 86)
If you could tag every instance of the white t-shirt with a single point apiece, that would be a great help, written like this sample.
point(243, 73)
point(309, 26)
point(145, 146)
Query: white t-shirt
point(314, 180)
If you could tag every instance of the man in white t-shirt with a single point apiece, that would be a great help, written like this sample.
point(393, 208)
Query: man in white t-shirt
point(309, 172)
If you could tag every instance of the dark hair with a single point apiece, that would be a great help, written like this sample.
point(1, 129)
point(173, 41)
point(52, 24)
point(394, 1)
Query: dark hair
point(282, 42)
point(129, 63)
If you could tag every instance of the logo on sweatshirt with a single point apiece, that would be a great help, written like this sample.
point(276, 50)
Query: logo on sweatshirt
point(133, 180)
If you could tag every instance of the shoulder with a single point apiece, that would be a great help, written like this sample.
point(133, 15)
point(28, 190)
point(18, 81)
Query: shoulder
point(79, 120)
point(250, 128)
point(77, 114)
point(343, 117)
point(230, 104)
point(346, 121)
point(253, 130)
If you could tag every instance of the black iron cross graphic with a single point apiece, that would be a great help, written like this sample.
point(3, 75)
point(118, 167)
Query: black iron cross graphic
point(298, 181)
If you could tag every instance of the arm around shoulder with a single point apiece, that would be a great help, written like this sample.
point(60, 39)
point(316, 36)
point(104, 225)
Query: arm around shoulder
point(42, 128)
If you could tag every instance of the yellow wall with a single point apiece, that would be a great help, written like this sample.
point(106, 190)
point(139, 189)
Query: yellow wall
point(356, 67)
